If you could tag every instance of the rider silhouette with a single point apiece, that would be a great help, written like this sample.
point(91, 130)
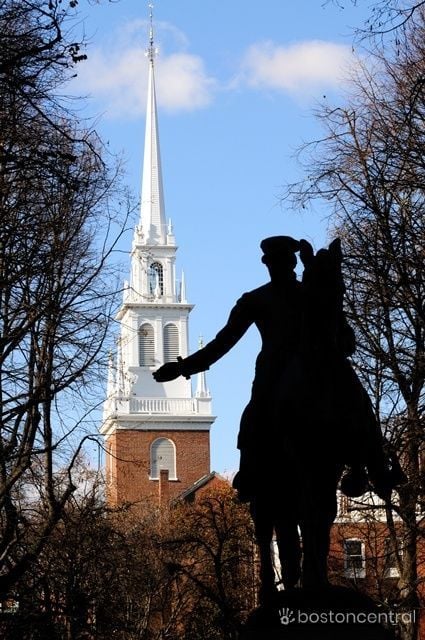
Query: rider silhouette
point(275, 309)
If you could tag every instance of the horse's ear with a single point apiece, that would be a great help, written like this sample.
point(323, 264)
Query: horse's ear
point(306, 252)
point(335, 249)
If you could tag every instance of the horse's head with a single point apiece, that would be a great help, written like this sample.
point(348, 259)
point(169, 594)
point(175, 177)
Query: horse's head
point(323, 292)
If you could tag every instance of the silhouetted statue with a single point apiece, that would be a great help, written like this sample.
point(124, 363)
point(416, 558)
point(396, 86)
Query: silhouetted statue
point(308, 416)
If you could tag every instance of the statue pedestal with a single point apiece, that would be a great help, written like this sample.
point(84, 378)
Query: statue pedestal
point(329, 613)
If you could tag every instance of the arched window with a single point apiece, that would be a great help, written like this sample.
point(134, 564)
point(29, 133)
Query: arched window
point(156, 278)
point(146, 345)
point(163, 456)
point(171, 343)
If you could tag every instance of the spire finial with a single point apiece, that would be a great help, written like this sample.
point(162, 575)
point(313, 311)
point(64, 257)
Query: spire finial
point(151, 51)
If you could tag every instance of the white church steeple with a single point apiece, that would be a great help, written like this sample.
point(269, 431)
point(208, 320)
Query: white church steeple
point(152, 209)
point(154, 247)
point(154, 328)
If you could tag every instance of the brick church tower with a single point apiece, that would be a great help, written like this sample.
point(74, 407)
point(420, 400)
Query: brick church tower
point(156, 435)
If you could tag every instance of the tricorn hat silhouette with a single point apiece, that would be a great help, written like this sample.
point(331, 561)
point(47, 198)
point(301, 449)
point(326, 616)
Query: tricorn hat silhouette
point(276, 245)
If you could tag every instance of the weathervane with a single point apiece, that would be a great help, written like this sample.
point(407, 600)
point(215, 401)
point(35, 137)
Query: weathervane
point(151, 51)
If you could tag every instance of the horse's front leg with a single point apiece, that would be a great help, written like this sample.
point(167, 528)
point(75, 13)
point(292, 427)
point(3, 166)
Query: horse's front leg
point(263, 524)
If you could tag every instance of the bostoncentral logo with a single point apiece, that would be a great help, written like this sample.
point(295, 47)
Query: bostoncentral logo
point(389, 618)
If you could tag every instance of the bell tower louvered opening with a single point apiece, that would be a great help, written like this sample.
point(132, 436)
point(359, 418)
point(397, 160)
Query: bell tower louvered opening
point(146, 346)
point(171, 343)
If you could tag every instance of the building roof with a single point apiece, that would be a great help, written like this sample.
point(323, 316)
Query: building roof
point(190, 492)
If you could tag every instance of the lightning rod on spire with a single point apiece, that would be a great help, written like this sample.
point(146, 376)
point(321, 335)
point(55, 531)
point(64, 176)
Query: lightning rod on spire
point(151, 51)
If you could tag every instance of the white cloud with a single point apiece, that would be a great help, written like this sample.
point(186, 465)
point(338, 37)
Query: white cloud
point(182, 82)
point(297, 68)
point(116, 77)
point(115, 74)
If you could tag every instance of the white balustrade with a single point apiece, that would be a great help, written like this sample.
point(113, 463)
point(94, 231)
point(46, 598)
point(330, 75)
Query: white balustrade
point(173, 406)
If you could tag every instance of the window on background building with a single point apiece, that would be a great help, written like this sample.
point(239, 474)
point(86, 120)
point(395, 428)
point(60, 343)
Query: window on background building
point(163, 456)
point(391, 569)
point(171, 343)
point(156, 277)
point(354, 558)
point(146, 346)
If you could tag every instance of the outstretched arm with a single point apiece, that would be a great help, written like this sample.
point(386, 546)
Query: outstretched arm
point(239, 320)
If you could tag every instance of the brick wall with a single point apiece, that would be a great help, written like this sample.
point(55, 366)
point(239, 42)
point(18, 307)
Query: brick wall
point(128, 466)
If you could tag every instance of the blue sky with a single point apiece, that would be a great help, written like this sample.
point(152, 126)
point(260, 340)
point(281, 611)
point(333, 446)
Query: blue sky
point(237, 83)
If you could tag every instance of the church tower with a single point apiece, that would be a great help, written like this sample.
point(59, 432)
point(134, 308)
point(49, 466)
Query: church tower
point(156, 434)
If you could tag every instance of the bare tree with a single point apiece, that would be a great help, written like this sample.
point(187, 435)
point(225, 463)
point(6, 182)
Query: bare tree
point(210, 549)
point(370, 167)
point(391, 15)
point(386, 16)
point(98, 575)
point(185, 574)
point(56, 287)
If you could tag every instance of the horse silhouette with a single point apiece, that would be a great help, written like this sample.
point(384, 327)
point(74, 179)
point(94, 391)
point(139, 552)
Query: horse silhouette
point(308, 416)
